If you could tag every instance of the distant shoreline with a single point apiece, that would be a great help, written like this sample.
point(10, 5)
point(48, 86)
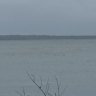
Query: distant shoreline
point(42, 37)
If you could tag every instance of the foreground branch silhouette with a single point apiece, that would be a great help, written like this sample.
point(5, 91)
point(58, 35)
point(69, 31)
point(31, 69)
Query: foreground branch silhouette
point(40, 87)
point(46, 90)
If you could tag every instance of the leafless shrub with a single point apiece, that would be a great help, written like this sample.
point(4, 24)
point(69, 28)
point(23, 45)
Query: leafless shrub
point(45, 90)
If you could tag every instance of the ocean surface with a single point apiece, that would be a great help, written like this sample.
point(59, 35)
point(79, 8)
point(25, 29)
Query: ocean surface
point(73, 62)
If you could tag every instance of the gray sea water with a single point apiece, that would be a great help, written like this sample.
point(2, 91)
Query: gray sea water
point(72, 61)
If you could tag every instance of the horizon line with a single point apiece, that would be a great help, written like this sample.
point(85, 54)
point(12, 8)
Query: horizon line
point(41, 35)
point(44, 37)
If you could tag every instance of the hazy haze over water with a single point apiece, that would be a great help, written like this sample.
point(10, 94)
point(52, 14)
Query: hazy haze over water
point(73, 61)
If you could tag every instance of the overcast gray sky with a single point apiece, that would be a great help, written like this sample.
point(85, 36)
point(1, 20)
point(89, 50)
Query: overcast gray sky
point(53, 17)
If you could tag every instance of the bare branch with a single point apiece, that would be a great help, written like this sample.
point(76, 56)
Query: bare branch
point(47, 87)
point(36, 84)
point(33, 77)
point(58, 86)
point(41, 85)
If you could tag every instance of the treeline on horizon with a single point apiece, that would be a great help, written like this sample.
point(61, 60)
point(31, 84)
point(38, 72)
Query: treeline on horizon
point(33, 37)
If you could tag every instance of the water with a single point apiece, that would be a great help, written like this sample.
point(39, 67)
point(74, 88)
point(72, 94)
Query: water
point(72, 61)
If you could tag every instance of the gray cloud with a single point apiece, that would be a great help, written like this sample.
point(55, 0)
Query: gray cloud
point(60, 17)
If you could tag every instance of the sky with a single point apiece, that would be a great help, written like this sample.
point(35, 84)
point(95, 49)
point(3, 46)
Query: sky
point(48, 17)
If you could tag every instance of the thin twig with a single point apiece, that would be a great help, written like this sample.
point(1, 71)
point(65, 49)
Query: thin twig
point(58, 86)
point(63, 90)
point(50, 94)
point(18, 93)
point(47, 87)
point(41, 85)
point(24, 93)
